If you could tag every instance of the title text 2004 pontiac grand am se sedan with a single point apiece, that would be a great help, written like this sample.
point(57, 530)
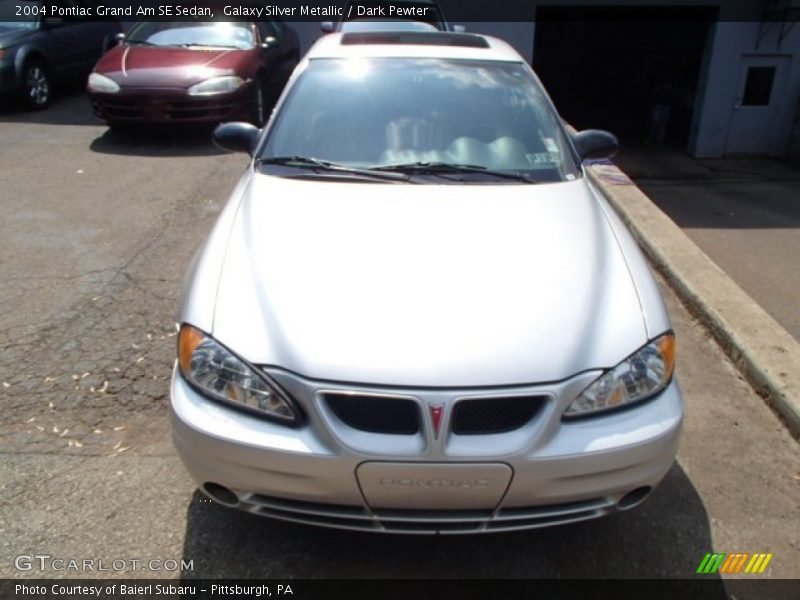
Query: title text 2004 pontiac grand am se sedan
point(416, 314)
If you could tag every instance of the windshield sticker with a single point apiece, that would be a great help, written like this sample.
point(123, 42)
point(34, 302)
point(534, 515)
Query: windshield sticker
point(542, 158)
point(550, 144)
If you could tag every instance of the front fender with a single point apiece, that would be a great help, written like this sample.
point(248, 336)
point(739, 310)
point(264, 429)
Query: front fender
point(199, 294)
point(24, 52)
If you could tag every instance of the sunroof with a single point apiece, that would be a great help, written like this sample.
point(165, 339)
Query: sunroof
point(424, 38)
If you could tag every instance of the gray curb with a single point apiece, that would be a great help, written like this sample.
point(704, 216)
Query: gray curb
point(763, 351)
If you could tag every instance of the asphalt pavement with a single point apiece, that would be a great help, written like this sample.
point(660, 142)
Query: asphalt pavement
point(96, 233)
point(743, 212)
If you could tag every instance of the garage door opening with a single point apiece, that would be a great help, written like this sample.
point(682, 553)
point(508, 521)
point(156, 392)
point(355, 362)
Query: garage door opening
point(612, 68)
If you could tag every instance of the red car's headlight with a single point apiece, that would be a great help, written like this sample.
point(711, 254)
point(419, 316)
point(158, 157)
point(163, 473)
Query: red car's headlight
point(216, 85)
point(101, 83)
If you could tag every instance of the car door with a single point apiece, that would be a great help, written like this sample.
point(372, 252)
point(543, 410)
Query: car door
point(72, 43)
point(757, 111)
point(90, 34)
point(57, 39)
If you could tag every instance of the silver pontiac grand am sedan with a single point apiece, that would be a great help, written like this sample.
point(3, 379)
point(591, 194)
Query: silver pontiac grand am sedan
point(416, 313)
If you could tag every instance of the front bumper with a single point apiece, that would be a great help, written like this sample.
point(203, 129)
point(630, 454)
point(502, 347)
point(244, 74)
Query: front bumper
point(162, 105)
point(560, 471)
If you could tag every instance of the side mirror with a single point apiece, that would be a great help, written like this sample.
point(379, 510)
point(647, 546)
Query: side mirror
point(327, 27)
point(269, 42)
point(595, 144)
point(459, 28)
point(120, 37)
point(236, 137)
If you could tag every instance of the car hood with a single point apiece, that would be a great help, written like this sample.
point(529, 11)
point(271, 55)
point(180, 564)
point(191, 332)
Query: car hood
point(144, 66)
point(10, 36)
point(426, 285)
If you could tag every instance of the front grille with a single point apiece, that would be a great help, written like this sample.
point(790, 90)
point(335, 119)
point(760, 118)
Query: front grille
point(494, 415)
point(424, 521)
point(166, 109)
point(376, 414)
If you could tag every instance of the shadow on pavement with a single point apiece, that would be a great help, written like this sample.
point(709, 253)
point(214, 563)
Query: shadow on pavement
point(70, 106)
point(157, 141)
point(666, 536)
point(726, 193)
point(661, 163)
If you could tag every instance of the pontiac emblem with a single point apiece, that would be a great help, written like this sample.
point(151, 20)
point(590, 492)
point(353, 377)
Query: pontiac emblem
point(436, 418)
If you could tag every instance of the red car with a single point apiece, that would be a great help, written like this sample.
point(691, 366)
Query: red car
point(194, 72)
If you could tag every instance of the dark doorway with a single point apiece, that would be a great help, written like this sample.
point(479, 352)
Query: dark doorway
point(610, 67)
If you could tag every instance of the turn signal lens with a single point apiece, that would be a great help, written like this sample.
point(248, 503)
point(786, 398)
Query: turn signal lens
point(188, 341)
point(667, 347)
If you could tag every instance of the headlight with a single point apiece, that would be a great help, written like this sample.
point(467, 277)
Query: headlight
point(216, 85)
point(217, 372)
point(102, 84)
point(638, 377)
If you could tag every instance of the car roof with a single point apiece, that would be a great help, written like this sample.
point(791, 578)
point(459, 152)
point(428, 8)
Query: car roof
point(390, 44)
point(362, 25)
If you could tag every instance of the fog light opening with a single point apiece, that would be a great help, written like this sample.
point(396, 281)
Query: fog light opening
point(221, 494)
point(634, 498)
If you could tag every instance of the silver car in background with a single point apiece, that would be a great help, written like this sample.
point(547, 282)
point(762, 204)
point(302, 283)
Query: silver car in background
point(416, 313)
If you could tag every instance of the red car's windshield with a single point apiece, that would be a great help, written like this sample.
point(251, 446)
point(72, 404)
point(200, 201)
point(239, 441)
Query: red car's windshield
point(219, 35)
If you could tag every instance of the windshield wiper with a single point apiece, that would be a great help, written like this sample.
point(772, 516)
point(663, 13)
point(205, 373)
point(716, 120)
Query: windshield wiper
point(307, 162)
point(139, 43)
point(441, 168)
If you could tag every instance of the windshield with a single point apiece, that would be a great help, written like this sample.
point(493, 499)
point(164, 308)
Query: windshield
point(402, 111)
point(192, 34)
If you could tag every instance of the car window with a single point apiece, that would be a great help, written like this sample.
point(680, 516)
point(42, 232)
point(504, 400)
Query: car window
point(392, 111)
point(28, 18)
point(194, 34)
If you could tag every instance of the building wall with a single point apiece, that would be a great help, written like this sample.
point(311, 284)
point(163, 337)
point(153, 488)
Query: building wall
point(732, 39)
point(720, 88)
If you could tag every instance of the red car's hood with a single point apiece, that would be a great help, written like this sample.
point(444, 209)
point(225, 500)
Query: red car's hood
point(144, 66)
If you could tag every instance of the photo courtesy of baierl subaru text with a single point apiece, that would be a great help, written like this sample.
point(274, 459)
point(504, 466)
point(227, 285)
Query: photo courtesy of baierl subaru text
point(399, 299)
